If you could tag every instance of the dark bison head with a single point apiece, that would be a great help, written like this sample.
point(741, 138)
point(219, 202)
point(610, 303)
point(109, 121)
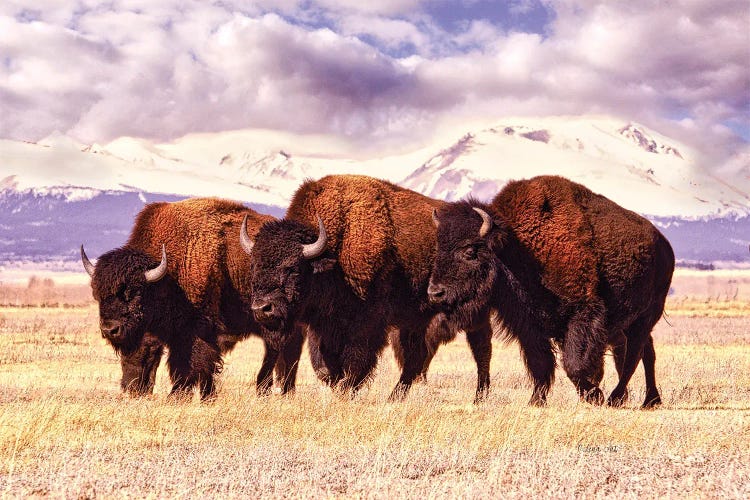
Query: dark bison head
point(284, 257)
point(465, 269)
point(123, 282)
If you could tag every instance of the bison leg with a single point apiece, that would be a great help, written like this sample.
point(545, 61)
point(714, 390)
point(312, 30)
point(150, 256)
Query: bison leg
point(649, 366)
point(179, 372)
point(414, 354)
point(193, 363)
point(264, 380)
point(398, 351)
point(640, 345)
point(633, 355)
point(480, 342)
point(139, 368)
point(619, 351)
point(325, 362)
point(539, 358)
point(439, 332)
point(583, 353)
point(432, 342)
point(227, 342)
point(207, 388)
point(359, 355)
point(288, 360)
point(432, 347)
point(181, 389)
point(316, 357)
point(358, 361)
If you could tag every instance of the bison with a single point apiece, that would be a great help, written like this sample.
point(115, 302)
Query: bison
point(562, 267)
point(194, 298)
point(351, 258)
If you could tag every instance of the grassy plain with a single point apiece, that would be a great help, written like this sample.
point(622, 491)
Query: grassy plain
point(66, 431)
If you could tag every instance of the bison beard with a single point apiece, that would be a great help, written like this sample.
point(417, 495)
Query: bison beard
point(139, 368)
point(372, 275)
point(562, 267)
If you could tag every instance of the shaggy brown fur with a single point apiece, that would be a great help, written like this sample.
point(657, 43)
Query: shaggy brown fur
point(560, 264)
point(372, 275)
point(205, 259)
point(203, 251)
point(373, 226)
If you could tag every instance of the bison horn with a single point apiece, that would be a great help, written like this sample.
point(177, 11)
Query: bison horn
point(435, 219)
point(87, 265)
point(486, 222)
point(245, 241)
point(313, 250)
point(157, 273)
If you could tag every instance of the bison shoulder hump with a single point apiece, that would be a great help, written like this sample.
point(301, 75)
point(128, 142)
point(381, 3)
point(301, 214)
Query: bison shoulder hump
point(355, 212)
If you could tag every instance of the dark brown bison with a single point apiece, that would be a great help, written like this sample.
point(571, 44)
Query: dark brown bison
point(182, 281)
point(352, 258)
point(561, 266)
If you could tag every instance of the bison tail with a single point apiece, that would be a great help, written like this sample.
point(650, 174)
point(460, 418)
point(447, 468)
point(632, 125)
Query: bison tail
point(666, 318)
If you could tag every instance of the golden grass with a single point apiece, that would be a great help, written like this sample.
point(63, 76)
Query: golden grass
point(44, 293)
point(65, 429)
point(707, 307)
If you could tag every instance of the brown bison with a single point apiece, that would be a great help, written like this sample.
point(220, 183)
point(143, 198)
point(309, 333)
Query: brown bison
point(181, 281)
point(352, 258)
point(561, 266)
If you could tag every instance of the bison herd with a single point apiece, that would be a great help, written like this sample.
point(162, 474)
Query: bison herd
point(358, 261)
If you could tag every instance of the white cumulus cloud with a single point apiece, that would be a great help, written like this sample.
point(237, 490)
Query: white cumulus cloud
point(370, 71)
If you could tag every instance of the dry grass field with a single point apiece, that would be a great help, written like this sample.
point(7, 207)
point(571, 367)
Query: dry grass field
point(66, 431)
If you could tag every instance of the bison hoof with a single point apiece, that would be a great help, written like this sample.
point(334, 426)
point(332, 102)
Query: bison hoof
point(287, 390)
point(652, 401)
point(263, 392)
point(208, 399)
point(538, 401)
point(481, 396)
point(323, 374)
point(594, 396)
point(398, 393)
point(180, 396)
point(136, 393)
point(344, 393)
point(617, 400)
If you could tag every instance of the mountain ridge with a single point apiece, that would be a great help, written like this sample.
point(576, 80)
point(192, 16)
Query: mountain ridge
point(638, 168)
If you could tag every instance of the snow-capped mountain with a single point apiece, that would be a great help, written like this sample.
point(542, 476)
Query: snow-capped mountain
point(46, 185)
point(635, 167)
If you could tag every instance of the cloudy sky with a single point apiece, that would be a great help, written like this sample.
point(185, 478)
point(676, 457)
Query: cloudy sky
point(377, 72)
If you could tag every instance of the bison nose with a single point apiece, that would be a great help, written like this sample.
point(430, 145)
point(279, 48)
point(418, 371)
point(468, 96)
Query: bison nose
point(262, 307)
point(436, 293)
point(109, 329)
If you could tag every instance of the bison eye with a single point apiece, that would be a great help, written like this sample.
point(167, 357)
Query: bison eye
point(469, 252)
point(123, 293)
